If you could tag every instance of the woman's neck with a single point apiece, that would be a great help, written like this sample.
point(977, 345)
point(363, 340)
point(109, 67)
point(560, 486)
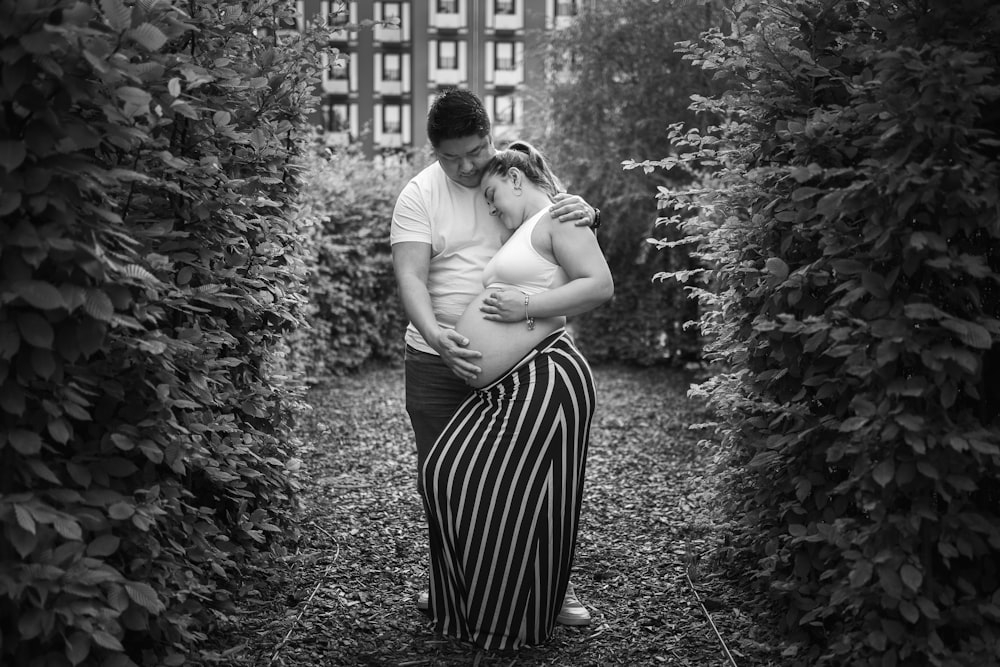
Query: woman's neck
point(536, 202)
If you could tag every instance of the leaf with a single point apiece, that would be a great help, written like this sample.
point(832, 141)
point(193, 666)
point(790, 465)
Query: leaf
point(911, 576)
point(923, 311)
point(860, 574)
point(43, 471)
point(909, 611)
point(10, 340)
point(121, 510)
point(184, 109)
point(24, 519)
point(25, 442)
point(103, 545)
point(890, 582)
point(847, 267)
point(77, 647)
point(144, 595)
point(136, 272)
point(174, 87)
point(60, 430)
point(67, 527)
point(39, 294)
point(98, 305)
point(149, 36)
point(970, 333)
point(852, 424)
point(118, 15)
point(777, 267)
point(136, 100)
point(23, 541)
point(884, 472)
point(35, 329)
point(104, 639)
point(12, 154)
point(118, 598)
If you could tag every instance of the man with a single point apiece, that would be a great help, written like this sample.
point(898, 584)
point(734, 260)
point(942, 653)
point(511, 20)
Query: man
point(442, 238)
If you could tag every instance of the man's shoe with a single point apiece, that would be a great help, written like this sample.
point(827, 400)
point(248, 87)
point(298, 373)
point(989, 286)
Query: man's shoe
point(573, 612)
point(424, 601)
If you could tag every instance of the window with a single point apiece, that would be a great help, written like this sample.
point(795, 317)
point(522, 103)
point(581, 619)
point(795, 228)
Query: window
point(392, 119)
point(505, 55)
point(338, 67)
point(505, 6)
point(565, 8)
point(503, 110)
point(338, 118)
point(339, 14)
point(392, 10)
point(447, 55)
point(391, 68)
point(447, 6)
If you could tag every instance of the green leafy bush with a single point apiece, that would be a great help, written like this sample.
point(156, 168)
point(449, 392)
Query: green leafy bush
point(615, 83)
point(354, 313)
point(852, 257)
point(150, 262)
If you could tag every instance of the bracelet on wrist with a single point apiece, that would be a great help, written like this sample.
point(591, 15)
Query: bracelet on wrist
point(529, 320)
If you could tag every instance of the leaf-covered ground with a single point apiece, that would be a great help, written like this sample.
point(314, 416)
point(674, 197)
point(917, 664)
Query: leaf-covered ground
point(646, 563)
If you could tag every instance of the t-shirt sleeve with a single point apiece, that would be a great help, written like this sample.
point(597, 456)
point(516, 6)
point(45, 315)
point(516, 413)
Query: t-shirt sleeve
point(410, 220)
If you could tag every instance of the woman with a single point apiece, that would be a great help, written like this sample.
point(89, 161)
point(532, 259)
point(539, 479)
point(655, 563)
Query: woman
point(502, 486)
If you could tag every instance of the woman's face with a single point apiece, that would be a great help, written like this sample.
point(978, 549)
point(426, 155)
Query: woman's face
point(502, 199)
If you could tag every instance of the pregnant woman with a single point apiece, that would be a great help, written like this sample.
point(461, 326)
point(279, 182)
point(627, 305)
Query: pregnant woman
point(503, 484)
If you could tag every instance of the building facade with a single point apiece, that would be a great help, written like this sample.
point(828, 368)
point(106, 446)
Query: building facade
point(378, 83)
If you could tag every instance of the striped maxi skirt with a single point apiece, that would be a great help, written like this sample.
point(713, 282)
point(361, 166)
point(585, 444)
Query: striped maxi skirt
point(502, 489)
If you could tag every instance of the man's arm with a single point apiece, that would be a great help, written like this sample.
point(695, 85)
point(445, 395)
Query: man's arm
point(411, 262)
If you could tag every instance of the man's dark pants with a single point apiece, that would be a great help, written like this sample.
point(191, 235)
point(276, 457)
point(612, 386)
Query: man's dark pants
point(433, 394)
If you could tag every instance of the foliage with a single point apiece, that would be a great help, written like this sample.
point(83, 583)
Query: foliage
point(353, 311)
point(852, 257)
point(150, 262)
point(616, 82)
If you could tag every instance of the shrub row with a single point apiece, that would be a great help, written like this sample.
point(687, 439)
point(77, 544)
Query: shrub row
point(150, 262)
point(852, 255)
point(354, 312)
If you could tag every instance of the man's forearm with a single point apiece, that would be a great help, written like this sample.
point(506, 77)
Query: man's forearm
point(420, 312)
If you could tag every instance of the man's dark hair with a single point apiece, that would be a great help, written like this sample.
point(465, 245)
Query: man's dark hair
point(456, 114)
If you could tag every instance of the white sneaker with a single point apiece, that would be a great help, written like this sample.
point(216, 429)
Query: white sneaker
point(424, 601)
point(573, 612)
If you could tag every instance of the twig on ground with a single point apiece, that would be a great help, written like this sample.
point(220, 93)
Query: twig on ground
point(709, 617)
point(305, 604)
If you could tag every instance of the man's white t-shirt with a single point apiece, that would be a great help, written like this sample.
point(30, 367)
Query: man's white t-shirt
point(456, 222)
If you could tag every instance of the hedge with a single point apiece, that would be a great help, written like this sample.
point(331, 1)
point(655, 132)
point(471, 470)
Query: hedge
point(150, 262)
point(851, 256)
point(354, 313)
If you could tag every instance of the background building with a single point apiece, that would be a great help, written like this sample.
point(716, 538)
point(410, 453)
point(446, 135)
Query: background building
point(378, 90)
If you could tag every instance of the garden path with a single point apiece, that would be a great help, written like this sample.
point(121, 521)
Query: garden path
point(644, 564)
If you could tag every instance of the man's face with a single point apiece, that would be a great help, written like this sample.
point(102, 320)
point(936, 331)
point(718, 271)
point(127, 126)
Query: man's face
point(464, 159)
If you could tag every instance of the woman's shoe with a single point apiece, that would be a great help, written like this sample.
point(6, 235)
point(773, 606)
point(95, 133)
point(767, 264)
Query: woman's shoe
point(573, 612)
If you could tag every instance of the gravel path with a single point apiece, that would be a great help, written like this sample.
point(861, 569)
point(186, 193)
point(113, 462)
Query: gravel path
point(643, 565)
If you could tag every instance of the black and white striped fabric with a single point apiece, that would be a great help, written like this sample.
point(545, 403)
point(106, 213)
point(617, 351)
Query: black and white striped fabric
point(502, 491)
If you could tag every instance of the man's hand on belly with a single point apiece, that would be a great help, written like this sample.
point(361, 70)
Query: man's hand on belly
point(453, 351)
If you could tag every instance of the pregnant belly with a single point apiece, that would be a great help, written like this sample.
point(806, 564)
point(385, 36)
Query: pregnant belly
point(502, 344)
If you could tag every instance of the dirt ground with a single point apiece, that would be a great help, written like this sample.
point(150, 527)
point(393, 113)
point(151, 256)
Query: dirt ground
point(647, 566)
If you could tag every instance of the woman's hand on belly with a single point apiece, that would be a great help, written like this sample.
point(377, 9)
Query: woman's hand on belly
point(503, 304)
